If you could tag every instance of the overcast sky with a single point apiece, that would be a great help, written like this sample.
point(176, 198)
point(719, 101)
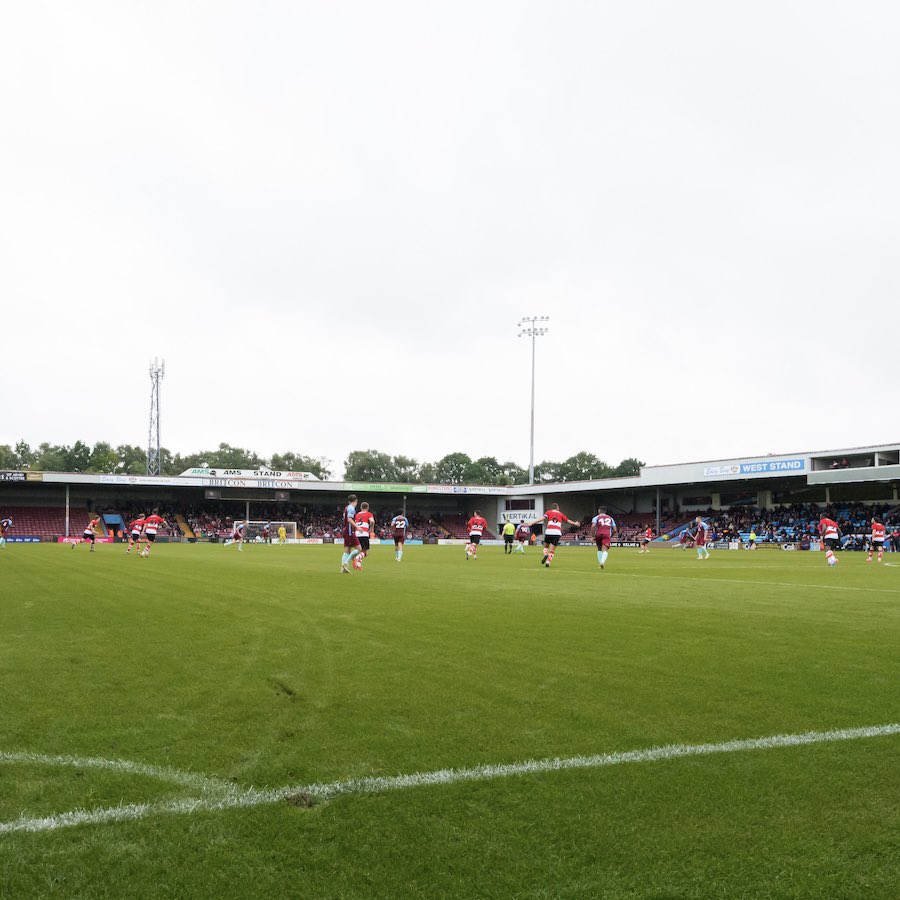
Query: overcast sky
point(328, 218)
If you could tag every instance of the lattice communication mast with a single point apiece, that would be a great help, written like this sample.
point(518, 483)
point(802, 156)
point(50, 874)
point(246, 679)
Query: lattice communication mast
point(157, 373)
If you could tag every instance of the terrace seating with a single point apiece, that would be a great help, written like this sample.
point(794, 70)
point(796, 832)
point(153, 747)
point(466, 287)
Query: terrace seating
point(45, 522)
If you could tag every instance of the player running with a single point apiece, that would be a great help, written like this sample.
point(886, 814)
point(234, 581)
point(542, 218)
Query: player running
point(701, 537)
point(553, 525)
point(5, 528)
point(831, 536)
point(523, 536)
point(399, 527)
point(646, 537)
point(476, 526)
point(348, 530)
point(877, 540)
point(134, 532)
point(365, 525)
point(90, 533)
point(267, 533)
point(237, 534)
point(687, 538)
point(605, 529)
point(152, 524)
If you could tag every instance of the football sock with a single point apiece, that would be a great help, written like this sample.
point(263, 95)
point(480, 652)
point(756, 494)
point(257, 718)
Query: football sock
point(605, 557)
point(600, 557)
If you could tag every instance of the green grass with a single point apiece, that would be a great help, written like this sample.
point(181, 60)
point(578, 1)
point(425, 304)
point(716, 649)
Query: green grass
point(267, 668)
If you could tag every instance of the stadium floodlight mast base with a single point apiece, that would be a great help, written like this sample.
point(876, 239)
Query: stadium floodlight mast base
point(531, 327)
point(157, 373)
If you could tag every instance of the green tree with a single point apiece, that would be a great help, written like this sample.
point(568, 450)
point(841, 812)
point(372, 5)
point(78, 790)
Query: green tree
point(406, 469)
point(583, 467)
point(51, 458)
point(104, 459)
point(369, 465)
point(491, 470)
point(9, 459)
point(452, 468)
point(132, 459)
point(25, 454)
point(548, 471)
point(427, 474)
point(297, 462)
point(513, 473)
point(78, 457)
point(630, 466)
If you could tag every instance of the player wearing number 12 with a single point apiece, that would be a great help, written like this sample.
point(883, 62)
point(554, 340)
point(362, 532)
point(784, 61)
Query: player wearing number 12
point(604, 528)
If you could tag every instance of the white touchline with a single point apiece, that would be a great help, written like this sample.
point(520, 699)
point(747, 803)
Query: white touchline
point(221, 795)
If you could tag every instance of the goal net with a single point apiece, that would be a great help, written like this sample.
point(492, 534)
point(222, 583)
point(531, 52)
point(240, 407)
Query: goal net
point(254, 532)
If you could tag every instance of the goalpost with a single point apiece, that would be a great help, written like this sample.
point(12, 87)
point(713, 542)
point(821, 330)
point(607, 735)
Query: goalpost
point(253, 532)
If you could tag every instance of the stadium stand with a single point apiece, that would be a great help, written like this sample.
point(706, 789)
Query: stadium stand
point(45, 522)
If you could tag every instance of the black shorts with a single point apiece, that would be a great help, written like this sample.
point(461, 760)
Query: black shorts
point(150, 537)
point(831, 543)
point(552, 539)
point(135, 535)
point(474, 538)
point(878, 545)
point(364, 543)
point(508, 538)
point(89, 536)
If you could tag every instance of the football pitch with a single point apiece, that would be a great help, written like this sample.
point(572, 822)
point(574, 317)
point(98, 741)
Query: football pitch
point(209, 723)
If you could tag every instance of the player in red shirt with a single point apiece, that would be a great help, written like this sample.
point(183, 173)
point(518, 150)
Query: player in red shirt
point(134, 532)
point(365, 525)
point(877, 541)
point(831, 535)
point(90, 533)
point(476, 526)
point(646, 537)
point(152, 524)
point(553, 525)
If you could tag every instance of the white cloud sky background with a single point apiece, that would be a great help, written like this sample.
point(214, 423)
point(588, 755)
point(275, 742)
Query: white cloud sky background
point(329, 217)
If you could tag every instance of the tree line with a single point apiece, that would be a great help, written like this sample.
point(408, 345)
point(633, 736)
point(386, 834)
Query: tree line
point(360, 465)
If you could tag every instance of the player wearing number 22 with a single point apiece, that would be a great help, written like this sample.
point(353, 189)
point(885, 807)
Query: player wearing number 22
point(604, 528)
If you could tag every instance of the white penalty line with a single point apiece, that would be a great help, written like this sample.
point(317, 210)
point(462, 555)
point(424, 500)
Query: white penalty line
point(223, 796)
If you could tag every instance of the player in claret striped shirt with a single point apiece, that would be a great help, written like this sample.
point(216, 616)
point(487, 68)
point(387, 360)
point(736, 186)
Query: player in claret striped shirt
point(553, 525)
point(5, 528)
